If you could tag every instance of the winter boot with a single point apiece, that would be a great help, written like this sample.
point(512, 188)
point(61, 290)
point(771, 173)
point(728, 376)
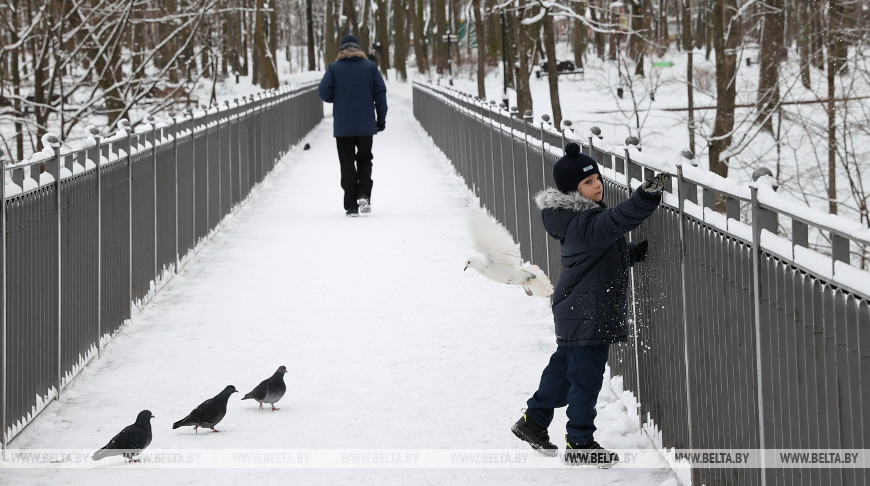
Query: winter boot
point(365, 206)
point(537, 436)
point(352, 212)
point(589, 454)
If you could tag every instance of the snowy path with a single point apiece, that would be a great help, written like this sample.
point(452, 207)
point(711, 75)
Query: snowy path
point(388, 343)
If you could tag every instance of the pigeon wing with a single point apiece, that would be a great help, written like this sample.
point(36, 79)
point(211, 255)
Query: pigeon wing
point(258, 393)
point(494, 240)
point(131, 438)
point(207, 412)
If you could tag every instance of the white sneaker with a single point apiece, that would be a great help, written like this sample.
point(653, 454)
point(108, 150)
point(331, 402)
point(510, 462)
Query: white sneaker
point(364, 206)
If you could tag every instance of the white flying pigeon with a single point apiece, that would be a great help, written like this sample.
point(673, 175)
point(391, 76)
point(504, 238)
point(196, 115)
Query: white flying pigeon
point(501, 260)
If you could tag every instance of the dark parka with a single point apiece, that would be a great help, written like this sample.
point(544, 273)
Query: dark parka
point(590, 304)
point(356, 89)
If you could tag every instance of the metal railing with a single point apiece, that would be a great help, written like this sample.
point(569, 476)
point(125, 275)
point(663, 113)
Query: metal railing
point(740, 338)
point(90, 233)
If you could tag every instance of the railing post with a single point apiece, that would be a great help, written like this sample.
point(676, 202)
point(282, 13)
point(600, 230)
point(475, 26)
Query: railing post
point(632, 281)
point(219, 187)
point(492, 191)
point(528, 119)
point(758, 224)
point(125, 125)
point(545, 120)
point(189, 125)
point(229, 113)
point(514, 113)
point(98, 172)
point(53, 168)
point(172, 116)
point(3, 392)
point(684, 275)
point(207, 169)
point(566, 126)
point(153, 122)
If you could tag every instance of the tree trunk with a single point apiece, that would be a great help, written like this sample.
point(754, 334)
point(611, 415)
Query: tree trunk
point(331, 49)
point(383, 36)
point(523, 49)
point(309, 24)
point(243, 25)
point(613, 51)
point(272, 31)
point(726, 35)
point(838, 51)
point(598, 36)
point(268, 77)
point(400, 28)
point(636, 44)
point(768, 72)
point(578, 34)
point(438, 24)
point(552, 69)
point(416, 18)
point(803, 42)
point(509, 47)
point(687, 39)
point(480, 28)
point(364, 30)
point(349, 12)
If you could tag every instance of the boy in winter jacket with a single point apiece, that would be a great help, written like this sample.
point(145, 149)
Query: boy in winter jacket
point(589, 304)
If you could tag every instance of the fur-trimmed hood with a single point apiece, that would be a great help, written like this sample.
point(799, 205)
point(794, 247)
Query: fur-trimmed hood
point(349, 53)
point(552, 198)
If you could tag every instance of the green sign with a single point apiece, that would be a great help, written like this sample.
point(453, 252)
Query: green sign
point(662, 64)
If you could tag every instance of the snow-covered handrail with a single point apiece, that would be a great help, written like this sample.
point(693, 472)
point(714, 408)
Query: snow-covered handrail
point(723, 201)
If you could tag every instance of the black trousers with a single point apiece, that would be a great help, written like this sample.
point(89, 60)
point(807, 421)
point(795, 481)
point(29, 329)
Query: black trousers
point(355, 157)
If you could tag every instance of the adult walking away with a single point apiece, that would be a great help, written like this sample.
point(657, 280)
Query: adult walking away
point(357, 91)
point(589, 304)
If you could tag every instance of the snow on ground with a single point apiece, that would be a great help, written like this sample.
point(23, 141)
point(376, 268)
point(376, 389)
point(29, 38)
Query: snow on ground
point(388, 343)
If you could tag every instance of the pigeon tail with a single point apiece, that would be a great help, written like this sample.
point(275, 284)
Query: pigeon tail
point(539, 284)
point(183, 422)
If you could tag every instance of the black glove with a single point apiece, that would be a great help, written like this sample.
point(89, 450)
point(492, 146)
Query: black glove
point(656, 185)
point(382, 125)
point(640, 250)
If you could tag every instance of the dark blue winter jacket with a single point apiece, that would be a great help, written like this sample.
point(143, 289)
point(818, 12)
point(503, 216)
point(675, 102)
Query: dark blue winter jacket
point(590, 303)
point(356, 89)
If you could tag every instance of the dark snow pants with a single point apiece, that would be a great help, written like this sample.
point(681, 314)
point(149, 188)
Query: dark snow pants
point(573, 377)
point(355, 156)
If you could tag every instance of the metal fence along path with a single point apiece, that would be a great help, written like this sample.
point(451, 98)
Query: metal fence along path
point(750, 324)
point(90, 233)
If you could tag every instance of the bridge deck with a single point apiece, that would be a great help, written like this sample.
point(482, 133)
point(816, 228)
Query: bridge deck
point(388, 343)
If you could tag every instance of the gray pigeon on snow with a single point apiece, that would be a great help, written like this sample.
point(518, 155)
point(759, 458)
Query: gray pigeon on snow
point(208, 413)
point(269, 390)
point(130, 441)
point(501, 260)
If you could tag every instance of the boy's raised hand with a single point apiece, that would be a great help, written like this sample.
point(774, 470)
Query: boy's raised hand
point(640, 250)
point(656, 185)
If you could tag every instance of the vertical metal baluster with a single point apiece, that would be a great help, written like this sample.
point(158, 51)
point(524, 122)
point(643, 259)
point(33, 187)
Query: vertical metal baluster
point(53, 168)
point(219, 188)
point(756, 302)
point(124, 125)
point(545, 119)
point(172, 116)
point(153, 122)
point(528, 119)
point(4, 391)
point(98, 169)
point(684, 272)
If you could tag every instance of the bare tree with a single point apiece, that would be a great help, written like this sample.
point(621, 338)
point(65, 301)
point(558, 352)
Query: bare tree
point(771, 54)
point(726, 37)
